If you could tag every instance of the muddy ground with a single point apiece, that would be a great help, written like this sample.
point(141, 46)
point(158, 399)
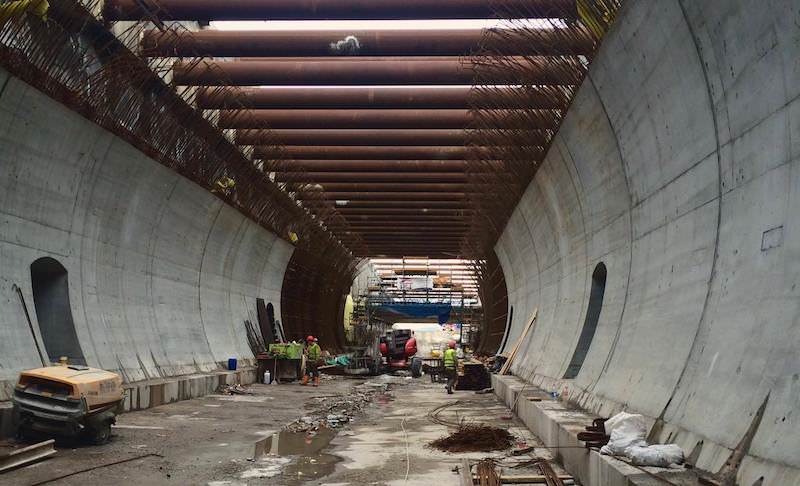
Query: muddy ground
point(240, 440)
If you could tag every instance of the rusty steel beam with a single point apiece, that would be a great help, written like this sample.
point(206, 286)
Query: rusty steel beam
point(394, 166)
point(366, 204)
point(377, 187)
point(205, 10)
point(407, 42)
point(423, 239)
point(382, 196)
point(357, 212)
point(404, 219)
point(399, 152)
point(323, 177)
point(378, 232)
point(373, 97)
point(409, 119)
point(362, 71)
point(367, 137)
point(451, 223)
point(390, 221)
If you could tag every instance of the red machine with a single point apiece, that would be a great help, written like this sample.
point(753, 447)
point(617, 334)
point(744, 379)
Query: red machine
point(398, 347)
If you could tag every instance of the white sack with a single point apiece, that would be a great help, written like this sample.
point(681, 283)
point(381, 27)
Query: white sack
point(628, 432)
point(661, 455)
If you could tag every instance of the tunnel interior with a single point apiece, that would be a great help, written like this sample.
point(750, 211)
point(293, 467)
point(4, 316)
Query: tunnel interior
point(604, 190)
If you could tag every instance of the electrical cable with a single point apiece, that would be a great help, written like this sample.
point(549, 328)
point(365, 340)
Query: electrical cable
point(408, 458)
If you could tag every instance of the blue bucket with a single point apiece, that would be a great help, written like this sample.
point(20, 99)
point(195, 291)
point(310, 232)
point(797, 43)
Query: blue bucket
point(232, 364)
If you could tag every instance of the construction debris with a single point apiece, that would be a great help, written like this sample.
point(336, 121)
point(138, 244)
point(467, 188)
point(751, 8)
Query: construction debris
point(334, 411)
point(475, 438)
point(235, 389)
point(27, 455)
point(487, 474)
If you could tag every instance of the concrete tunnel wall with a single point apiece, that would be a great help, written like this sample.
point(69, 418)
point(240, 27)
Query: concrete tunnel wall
point(678, 166)
point(162, 274)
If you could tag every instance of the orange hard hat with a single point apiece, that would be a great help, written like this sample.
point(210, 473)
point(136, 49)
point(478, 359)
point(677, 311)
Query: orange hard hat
point(310, 338)
point(452, 344)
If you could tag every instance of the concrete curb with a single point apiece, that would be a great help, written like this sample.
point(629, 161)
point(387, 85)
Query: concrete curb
point(557, 425)
point(152, 393)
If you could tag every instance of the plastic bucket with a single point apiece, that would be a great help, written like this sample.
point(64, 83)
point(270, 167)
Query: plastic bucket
point(232, 364)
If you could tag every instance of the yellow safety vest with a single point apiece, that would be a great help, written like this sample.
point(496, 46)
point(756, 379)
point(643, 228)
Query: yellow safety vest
point(450, 358)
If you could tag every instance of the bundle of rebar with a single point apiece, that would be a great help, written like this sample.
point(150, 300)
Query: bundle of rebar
point(475, 438)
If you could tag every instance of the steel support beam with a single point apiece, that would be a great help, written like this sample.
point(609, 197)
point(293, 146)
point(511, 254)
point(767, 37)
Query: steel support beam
point(321, 202)
point(369, 212)
point(382, 196)
point(354, 97)
point(324, 177)
point(115, 10)
point(381, 187)
point(393, 166)
point(365, 137)
point(298, 43)
point(392, 219)
point(392, 224)
point(398, 152)
point(365, 71)
point(363, 119)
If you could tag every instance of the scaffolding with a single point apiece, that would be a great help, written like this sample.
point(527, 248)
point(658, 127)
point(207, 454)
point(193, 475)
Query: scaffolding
point(414, 284)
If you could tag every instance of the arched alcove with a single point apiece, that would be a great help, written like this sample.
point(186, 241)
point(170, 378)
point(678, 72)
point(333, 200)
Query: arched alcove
point(590, 324)
point(50, 285)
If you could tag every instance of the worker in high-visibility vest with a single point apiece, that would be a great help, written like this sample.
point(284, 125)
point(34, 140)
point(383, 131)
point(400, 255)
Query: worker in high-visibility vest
point(313, 355)
point(450, 361)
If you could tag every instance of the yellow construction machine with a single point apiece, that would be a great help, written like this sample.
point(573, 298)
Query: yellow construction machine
point(68, 400)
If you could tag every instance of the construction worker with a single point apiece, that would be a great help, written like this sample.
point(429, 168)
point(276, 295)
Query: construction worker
point(313, 354)
point(450, 361)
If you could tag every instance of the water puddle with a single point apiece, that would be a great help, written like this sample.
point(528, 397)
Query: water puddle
point(305, 448)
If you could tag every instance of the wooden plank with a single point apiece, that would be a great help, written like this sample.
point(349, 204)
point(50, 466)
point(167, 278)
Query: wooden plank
point(551, 478)
point(517, 346)
point(27, 455)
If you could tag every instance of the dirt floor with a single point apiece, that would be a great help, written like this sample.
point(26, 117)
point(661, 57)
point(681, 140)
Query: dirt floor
point(241, 439)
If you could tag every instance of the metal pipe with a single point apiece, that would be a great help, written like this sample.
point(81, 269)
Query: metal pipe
point(394, 166)
point(430, 213)
point(402, 152)
point(372, 187)
point(363, 71)
point(452, 223)
point(379, 231)
point(115, 10)
point(353, 97)
point(288, 43)
point(370, 176)
point(421, 204)
point(408, 119)
point(365, 137)
point(391, 219)
point(382, 196)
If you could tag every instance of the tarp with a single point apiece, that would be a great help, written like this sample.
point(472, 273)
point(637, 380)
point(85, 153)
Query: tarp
point(404, 311)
